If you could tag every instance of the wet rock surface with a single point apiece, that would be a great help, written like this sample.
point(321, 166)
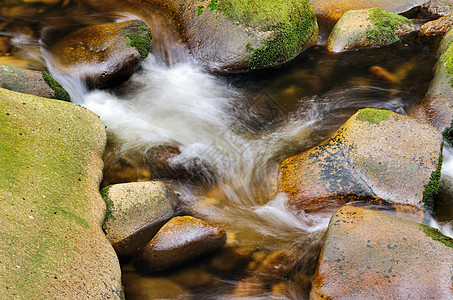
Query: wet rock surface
point(136, 211)
point(106, 55)
point(51, 164)
point(371, 255)
point(180, 240)
point(438, 7)
point(367, 28)
point(31, 82)
point(376, 155)
point(437, 27)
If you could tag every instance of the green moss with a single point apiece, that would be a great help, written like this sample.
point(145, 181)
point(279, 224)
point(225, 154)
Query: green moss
point(373, 116)
point(437, 235)
point(200, 9)
point(384, 26)
point(432, 187)
point(110, 207)
point(141, 41)
point(60, 92)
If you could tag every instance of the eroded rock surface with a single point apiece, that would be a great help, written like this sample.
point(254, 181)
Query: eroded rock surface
point(371, 255)
point(376, 155)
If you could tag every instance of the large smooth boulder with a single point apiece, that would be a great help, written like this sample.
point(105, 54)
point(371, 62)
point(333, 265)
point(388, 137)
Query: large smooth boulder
point(136, 211)
point(437, 105)
point(371, 255)
point(330, 11)
point(232, 35)
point(52, 245)
point(363, 28)
point(376, 155)
point(104, 56)
point(31, 82)
point(180, 240)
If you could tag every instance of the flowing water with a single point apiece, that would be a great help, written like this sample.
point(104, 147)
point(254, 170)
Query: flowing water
point(231, 131)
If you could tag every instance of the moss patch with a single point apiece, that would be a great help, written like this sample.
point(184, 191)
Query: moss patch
point(432, 187)
point(373, 116)
point(385, 24)
point(141, 41)
point(60, 92)
point(110, 207)
point(437, 235)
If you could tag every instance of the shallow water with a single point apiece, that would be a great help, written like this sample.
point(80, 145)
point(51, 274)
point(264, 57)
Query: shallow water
point(232, 131)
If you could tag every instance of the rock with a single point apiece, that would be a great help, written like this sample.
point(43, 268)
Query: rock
point(277, 264)
point(180, 240)
point(437, 27)
point(31, 82)
point(376, 155)
point(103, 55)
point(436, 107)
point(438, 7)
point(249, 288)
point(371, 255)
point(372, 27)
point(135, 212)
point(330, 11)
point(51, 210)
point(146, 288)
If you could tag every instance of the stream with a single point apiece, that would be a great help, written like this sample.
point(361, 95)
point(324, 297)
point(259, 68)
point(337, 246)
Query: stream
point(232, 130)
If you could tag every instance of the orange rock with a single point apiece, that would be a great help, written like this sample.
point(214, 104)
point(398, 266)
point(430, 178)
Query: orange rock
point(371, 255)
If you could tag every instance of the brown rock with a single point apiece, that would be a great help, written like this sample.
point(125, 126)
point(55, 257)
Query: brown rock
point(104, 55)
point(438, 7)
point(277, 264)
point(437, 27)
point(370, 255)
point(180, 240)
point(136, 211)
point(375, 155)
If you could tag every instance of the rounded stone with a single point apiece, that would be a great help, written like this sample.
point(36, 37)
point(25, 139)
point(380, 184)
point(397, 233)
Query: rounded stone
point(136, 211)
point(180, 240)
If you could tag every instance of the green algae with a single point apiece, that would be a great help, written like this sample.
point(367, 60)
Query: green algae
point(373, 116)
point(432, 187)
point(384, 26)
point(437, 235)
point(59, 91)
point(110, 207)
point(140, 41)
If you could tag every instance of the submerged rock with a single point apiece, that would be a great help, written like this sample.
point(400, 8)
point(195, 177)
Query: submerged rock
point(371, 255)
point(367, 28)
point(106, 55)
point(136, 211)
point(180, 240)
point(376, 155)
point(31, 82)
point(437, 27)
point(52, 245)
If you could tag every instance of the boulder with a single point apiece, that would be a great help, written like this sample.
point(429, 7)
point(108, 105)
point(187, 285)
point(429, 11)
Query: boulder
point(104, 56)
point(31, 82)
point(135, 212)
point(438, 7)
point(180, 240)
point(437, 105)
point(52, 244)
point(330, 11)
point(376, 155)
point(437, 27)
point(371, 255)
point(372, 27)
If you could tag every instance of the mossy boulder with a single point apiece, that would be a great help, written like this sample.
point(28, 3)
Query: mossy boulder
point(180, 240)
point(230, 35)
point(376, 156)
point(31, 82)
point(371, 255)
point(330, 11)
point(437, 105)
point(106, 55)
point(372, 27)
point(52, 244)
point(135, 212)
